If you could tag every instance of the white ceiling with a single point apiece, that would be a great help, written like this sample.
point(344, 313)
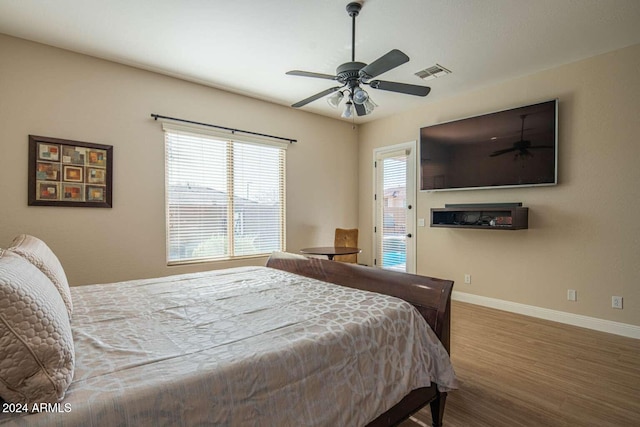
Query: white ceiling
point(247, 46)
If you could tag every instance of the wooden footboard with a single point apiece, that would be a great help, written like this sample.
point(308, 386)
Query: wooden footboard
point(432, 298)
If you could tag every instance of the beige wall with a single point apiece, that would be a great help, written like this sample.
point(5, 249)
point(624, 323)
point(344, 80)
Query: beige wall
point(583, 234)
point(51, 92)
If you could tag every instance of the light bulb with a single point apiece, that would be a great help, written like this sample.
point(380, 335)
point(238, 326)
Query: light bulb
point(335, 99)
point(347, 110)
point(369, 106)
point(360, 96)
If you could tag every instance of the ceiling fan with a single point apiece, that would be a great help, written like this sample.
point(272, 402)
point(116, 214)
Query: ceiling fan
point(353, 75)
point(521, 147)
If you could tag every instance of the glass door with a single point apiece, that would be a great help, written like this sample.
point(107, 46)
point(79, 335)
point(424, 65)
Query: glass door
point(395, 213)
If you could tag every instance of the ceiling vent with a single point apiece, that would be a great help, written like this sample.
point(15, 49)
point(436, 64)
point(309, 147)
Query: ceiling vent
point(433, 72)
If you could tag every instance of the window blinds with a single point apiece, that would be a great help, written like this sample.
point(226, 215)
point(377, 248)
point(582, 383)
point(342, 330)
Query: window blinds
point(224, 198)
point(391, 203)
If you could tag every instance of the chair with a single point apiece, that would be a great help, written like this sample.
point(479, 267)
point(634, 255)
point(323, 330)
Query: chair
point(346, 238)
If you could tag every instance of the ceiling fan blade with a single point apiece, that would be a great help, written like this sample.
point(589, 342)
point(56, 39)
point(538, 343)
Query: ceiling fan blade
point(360, 109)
point(542, 146)
point(501, 152)
point(383, 64)
point(400, 87)
point(316, 96)
point(310, 74)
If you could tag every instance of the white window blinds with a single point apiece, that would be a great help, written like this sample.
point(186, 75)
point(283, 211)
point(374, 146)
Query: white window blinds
point(391, 203)
point(224, 198)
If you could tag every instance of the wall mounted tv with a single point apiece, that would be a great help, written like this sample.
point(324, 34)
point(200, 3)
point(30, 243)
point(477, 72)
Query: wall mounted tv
point(510, 148)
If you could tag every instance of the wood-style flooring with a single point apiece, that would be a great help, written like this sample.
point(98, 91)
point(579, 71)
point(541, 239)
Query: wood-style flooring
point(517, 370)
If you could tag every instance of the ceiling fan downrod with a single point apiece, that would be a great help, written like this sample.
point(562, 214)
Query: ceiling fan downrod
point(353, 9)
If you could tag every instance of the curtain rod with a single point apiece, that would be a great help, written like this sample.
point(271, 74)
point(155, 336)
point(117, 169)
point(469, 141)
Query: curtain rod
point(232, 130)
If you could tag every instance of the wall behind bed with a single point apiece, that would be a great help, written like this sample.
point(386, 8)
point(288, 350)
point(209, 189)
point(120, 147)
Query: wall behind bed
point(584, 233)
point(52, 92)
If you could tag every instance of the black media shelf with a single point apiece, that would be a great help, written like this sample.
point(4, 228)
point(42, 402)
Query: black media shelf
point(490, 216)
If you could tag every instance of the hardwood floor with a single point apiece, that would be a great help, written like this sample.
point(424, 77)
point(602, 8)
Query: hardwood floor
point(516, 370)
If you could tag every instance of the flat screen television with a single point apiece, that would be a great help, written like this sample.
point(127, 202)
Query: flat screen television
point(510, 148)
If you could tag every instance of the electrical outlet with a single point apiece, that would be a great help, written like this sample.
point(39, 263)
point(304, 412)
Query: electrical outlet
point(467, 279)
point(616, 302)
point(420, 222)
point(571, 295)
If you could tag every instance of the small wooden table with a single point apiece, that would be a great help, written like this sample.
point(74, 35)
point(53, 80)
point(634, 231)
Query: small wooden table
point(330, 251)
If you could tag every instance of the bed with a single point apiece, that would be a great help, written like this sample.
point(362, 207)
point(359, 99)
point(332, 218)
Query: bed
point(296, 342)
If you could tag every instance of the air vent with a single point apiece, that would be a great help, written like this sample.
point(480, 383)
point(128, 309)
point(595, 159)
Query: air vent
point(433, 72)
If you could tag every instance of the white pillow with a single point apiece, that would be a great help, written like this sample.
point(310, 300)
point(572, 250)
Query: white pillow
point(39, 254)
point(36, 343)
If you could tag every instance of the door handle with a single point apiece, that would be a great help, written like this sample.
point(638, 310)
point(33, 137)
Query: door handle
point(409, 235)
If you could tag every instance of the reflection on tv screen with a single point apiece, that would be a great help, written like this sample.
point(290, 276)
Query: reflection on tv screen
point(516, 147)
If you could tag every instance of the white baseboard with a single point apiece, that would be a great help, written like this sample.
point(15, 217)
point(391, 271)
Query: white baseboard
point(594, 323)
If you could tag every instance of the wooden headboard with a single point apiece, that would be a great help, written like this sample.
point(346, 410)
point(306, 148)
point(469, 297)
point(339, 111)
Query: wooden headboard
point(432, 297)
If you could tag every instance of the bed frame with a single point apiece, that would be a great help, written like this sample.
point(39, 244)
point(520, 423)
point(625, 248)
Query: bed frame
point(432, 298)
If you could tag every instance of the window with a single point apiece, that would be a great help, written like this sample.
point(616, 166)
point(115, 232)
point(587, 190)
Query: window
point(224, 198)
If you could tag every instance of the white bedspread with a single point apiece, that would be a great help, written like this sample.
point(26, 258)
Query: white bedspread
point(249, 346)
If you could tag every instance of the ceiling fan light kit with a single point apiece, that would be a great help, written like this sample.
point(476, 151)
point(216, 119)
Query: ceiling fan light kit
point(359, 95)
point(335, 99)
point(352, 75)
point(347, 113)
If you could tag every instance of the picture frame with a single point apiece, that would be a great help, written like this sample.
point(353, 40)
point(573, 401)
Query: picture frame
point(69, 173)
point(72, 173)
point(72, 192)
point(96, 175)
point(47, 191)
point(95, 193)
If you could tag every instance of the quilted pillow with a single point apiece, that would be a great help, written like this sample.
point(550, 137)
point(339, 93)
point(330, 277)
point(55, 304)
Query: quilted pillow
point(36, 343)
point(38, 253)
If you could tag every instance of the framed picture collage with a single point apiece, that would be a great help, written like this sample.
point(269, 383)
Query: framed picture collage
point(69, 173)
